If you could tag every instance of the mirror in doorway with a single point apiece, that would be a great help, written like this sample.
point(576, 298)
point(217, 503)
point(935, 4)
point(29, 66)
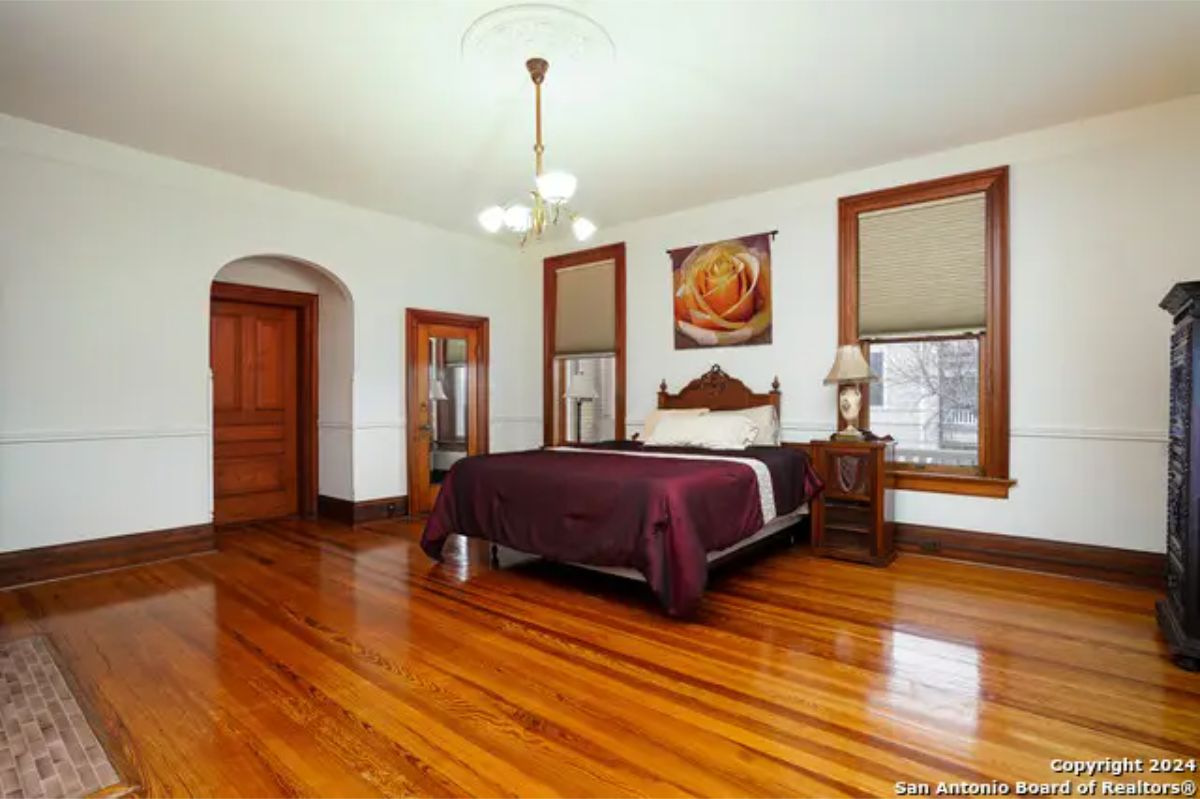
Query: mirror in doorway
point(448, 397)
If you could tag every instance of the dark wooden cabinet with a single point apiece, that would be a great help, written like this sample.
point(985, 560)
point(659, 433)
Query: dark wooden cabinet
point(851, 519)
point(1179, 613)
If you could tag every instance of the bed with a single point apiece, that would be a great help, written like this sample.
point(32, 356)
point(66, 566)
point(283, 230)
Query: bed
point(666, 515)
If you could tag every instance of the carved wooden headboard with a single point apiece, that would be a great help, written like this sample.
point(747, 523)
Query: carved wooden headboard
point(716, 390)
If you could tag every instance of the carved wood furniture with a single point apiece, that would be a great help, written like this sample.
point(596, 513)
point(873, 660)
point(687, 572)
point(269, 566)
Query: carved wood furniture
point(851, 518)
point(1179, 613)
point(717, 391)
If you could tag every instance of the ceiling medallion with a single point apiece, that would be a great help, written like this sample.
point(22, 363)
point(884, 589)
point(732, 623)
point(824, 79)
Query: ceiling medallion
point(551, 192)
point(562, 35)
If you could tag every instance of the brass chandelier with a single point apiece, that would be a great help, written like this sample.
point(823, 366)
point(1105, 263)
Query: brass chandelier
point(551, 192)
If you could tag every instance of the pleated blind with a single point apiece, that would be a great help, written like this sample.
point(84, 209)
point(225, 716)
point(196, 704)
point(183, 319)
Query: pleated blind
point(585, 318)
point(922, 268)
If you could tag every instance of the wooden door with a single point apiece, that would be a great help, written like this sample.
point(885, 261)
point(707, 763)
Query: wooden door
point(256, 406)
point(447, 398)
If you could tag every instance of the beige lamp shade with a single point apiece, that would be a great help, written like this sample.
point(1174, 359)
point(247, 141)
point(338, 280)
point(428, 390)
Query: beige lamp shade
point(582, 386)
point(437, 391)
point(849, 366)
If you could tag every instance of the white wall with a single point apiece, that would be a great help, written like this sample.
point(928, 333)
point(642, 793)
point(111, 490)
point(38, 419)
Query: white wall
point(106, 258)
point(335, 359)
point(1104, 219)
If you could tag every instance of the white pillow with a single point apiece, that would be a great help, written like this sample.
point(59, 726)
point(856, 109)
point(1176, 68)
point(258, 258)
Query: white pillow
point(708, 431)
point(764, 418)
point(658, 415)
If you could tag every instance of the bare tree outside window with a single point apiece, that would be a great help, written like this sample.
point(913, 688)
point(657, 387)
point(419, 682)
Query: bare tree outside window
point(930, 400)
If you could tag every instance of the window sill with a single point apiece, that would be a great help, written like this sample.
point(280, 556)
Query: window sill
point(946, 483)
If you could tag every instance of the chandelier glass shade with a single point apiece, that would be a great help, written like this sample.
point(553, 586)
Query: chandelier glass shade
point(551, 192)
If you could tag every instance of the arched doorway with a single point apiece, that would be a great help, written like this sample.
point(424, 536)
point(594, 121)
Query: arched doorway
point(281, 355)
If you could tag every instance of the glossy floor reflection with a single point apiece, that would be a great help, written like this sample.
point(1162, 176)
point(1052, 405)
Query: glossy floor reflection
point(315, 659)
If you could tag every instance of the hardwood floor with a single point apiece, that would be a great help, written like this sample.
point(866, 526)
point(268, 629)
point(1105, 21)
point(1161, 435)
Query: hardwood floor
point(314, 658)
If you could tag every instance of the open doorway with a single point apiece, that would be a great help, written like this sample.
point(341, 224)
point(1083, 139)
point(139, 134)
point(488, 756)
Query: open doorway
point(281, 359)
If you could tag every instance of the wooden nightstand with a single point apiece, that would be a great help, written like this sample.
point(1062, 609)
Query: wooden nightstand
point(851, 518)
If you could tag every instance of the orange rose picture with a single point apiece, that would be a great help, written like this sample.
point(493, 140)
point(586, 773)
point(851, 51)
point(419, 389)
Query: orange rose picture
point(723, 293)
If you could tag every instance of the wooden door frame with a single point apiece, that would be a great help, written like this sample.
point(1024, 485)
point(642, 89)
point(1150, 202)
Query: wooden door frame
point(413, 318)
point(306, 377)
point(608, 252)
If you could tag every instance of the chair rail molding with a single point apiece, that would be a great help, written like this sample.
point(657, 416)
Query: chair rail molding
point(381, 424)
point(1092, 433)
point(109, 434)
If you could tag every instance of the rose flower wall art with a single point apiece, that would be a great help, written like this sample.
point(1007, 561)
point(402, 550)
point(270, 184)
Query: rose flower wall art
point(723, 293)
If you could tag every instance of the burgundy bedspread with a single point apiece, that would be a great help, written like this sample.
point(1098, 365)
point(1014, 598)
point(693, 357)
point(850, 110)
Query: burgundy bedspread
point(660, 516)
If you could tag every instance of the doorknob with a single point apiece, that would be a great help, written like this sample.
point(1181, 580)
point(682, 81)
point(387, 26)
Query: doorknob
point(425, 428)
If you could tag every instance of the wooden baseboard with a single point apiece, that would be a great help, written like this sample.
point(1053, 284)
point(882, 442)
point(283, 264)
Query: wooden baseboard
point(370, 510)
point(102, 554)
point(1036, 554)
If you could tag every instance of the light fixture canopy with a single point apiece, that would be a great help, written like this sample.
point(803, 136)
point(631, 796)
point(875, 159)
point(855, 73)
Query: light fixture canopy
point(552, 190)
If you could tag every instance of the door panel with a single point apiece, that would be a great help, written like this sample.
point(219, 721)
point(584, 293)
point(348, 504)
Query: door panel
point(255, 363)
point(269, 340)
point(226, 360)
point(250, 474)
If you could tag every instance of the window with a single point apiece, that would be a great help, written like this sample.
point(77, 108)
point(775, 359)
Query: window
point(588, 393)
point(923, 288)
point(878, 390)
point(933, 400)
point(584, 356)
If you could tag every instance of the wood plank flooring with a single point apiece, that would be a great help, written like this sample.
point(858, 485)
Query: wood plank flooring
point(308, 658)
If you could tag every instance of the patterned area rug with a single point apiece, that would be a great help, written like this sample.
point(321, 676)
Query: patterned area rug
point(47, 748)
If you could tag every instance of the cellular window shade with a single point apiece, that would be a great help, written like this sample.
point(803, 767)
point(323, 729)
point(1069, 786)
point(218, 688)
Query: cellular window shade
point(922, 268)
point(585, 311)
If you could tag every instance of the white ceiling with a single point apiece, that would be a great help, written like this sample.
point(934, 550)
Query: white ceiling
point(370, 103)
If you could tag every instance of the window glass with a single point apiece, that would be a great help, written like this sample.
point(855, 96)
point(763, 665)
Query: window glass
point(928, 399)
point(588, 398)
point(877, 389)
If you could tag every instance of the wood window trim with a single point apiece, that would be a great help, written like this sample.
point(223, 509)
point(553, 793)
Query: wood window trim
point(993, 479)
point(551, 266)
point(308, 380)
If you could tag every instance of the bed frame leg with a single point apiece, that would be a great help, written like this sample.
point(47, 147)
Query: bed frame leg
point(495, 555)
point(802, 530)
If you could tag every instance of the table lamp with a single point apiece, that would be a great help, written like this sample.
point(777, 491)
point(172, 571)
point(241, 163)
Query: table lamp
point(581, 386)
point(850, 370)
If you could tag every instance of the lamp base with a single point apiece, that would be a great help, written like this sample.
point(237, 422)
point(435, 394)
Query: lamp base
point(849, 403)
